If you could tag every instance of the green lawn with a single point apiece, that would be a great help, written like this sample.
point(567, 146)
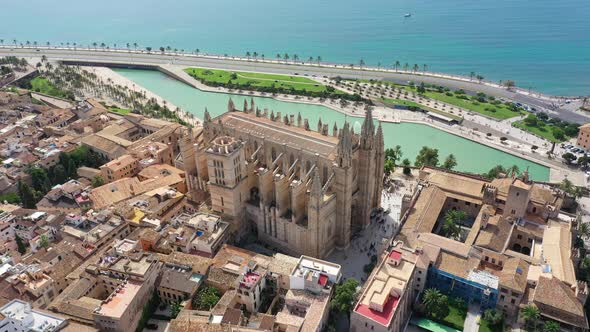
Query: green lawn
point(456, 318)
point(42, 85)
point(256, 80)
point(484, 326)
point(498, 111)
point(121, 111)
point(542, 129)
point(414, 104)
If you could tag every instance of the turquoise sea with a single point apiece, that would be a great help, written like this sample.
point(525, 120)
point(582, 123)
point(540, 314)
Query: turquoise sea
point(541, 44)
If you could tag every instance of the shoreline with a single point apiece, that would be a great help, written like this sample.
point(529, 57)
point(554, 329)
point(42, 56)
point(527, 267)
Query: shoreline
point(555, 171)
point(368, 69)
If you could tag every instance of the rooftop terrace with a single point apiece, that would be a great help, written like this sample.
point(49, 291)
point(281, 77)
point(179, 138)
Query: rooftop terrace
point(116, 304)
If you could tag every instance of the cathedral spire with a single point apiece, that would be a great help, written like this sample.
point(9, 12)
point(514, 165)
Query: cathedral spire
point(367, 130)
point(207, 116)
point(230, 105)
point(344, 148)
point(379, 142)
point(316, 186)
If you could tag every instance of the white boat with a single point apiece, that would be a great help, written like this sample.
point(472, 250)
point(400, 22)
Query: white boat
point(408, 15)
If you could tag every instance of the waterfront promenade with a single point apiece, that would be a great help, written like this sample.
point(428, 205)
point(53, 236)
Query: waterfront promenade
point(124, 57)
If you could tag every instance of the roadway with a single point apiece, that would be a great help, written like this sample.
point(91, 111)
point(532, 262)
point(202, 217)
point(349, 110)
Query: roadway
point(156, 58)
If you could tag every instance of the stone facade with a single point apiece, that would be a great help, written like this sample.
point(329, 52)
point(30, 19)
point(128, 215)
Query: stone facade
point(298, 189)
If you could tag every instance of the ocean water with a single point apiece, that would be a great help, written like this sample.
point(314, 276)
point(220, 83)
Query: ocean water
point(471, 156)
point(540, 44)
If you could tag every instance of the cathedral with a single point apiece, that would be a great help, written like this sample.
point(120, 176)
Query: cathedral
point(299, 190)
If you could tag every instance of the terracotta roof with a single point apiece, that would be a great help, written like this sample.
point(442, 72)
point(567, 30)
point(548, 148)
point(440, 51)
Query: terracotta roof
point(456, 265)
point(551, 294)
point(514, 274)
point(199, 264)
point(277, 132)
point(495, 235)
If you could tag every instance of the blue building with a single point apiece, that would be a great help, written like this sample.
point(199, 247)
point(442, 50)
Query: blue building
point(480, 286)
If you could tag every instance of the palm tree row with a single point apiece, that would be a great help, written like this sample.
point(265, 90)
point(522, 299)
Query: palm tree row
point(83, 83)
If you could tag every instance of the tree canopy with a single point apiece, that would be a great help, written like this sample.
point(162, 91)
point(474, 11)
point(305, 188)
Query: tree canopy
point(427, 157)
point(344, 296)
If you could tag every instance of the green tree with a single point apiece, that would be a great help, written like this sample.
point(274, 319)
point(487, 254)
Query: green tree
point(97, 181)
point(344, 296)
point(22, 247)
point(531, 120)
point(175, 308)
point(206, 298)
point(450, 162)
point(558, 133)
point(44, 241)
point(394, 154)
point(530, 314)
point(551, 326)
point(26, 194)
point(569, 157)
point(584, 230)
point(388, 167)
point(493, 316)
point(452, 223)
point(426, 157)
point(406, 164)
point(59, 174)
point(436, 303)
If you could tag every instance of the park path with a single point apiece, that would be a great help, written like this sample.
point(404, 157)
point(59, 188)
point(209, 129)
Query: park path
point(473, 313)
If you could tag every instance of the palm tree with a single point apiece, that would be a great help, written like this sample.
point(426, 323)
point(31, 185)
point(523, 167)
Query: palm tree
point(127, 45)
point(416, 67)
point(2, 41)
point(406, 66)
point(197, 51)
point(452, 223)
point(278, 57)
point(530, 314)
point(15, 42)
point(513, 170)
point(584, 230)
point(471, 75)
point(103, 45)
point(479, 78)
point(310, 59)
point(286, 57)
point(94, 44)
point(135, 46)
point(551, 326)
point(295, 57)
point(431, 297)
point(248, 55)
point(255, 55)
point(319, 59)
point(424, 67)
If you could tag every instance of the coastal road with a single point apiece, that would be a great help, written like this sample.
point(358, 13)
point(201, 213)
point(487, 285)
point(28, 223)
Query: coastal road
point(155, 58)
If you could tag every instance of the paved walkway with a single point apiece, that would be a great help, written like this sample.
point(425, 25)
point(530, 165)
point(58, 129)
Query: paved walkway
point(471, 321)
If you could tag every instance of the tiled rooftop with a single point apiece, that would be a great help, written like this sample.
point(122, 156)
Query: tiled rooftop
point(116, 306)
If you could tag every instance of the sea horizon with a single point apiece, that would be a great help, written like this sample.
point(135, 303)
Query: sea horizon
point(503, 40)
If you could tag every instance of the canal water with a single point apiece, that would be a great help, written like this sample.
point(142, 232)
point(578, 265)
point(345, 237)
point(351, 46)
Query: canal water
point(471, 156)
